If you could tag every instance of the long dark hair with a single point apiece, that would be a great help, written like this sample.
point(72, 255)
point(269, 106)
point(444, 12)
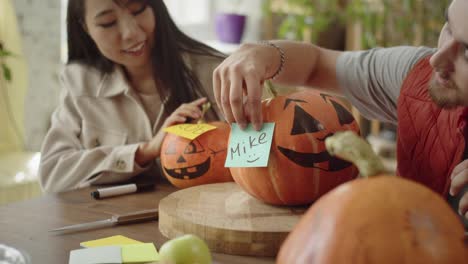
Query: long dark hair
point(176, 83)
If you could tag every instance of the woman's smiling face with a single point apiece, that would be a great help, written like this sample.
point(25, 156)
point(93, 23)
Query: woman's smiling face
point(122, 30)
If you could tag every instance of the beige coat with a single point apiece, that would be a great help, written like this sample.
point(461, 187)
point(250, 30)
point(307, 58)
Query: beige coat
point(98, 125)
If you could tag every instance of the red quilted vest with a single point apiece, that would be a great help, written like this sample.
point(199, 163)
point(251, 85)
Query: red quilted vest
point(430, 139)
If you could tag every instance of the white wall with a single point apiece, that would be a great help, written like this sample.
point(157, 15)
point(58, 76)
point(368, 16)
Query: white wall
point(39, 23)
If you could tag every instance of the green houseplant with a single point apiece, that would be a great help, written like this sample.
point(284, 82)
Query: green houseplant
point(383, 22)
point(398, 22)
point(5, 80)
point(6, 72)
point(303, 17)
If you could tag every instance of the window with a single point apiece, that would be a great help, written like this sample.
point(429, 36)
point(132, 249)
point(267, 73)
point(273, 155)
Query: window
point(63, 31)
point(189, 12)
point(194, 17)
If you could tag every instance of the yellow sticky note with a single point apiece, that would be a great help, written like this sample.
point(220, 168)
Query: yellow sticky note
point(110, 241)
point(190, 131)
point(139, 253)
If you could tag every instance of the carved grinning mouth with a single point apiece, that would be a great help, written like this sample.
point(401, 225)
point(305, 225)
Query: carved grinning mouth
point(311, 160)
point(189, 173)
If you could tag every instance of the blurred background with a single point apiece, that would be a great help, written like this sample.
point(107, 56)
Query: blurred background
point(33, 49)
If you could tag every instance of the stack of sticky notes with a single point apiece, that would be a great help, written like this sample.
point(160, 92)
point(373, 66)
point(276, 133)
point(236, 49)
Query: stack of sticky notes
point(114, 250)
point(190, 131)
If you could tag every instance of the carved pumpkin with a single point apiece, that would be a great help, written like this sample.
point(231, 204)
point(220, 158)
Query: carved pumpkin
point(384, 219)
point(300, 169)
point(188, 163)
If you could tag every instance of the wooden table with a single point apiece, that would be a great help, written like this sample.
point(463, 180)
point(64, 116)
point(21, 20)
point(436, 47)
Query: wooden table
point(25, 225)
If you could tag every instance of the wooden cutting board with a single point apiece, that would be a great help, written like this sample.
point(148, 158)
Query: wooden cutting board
point(228, 219)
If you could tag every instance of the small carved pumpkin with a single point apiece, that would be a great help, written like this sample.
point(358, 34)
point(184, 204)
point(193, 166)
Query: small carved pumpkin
point(384, 219)
point(300, 169)
point(188, 163)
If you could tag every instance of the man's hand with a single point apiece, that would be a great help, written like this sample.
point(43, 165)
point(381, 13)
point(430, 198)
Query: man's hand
point(459, 182)
point(238, 83)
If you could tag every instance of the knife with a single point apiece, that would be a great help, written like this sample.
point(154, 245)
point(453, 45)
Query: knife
point(135, 217)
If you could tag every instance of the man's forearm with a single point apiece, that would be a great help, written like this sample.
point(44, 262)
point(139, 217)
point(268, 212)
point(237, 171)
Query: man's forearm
point(307, 65)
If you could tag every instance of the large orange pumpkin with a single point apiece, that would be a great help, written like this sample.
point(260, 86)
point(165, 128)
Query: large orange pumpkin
point(300, 169)
point(384, 219)
point(188, 163)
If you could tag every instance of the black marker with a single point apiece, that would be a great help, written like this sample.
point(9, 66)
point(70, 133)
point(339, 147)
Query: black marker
point(121, 189)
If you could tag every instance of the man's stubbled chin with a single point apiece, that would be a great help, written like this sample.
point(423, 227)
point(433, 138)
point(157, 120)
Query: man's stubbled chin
point(443, 92)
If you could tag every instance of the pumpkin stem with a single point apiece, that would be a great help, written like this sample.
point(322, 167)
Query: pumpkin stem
point(271, 89)
point(205, 107)
point(351, 147)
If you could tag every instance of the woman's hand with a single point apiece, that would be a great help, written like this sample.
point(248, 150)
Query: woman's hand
point(459, 182)
point(150, 150)
point(238, 82)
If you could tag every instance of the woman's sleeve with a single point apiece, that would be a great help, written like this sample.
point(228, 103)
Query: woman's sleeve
point(66, 163)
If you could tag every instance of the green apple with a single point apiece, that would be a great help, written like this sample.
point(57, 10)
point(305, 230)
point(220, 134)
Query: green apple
point(186, 249)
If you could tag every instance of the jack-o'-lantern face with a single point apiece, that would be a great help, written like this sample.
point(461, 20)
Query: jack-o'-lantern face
point(308, 125)
point(300, 169)
point(187, 163)
point(193, 159)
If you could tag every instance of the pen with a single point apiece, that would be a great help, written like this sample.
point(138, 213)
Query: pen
point(121, 189)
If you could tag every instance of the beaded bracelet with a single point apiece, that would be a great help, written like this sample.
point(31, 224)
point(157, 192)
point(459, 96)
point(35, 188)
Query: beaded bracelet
point(282, 58)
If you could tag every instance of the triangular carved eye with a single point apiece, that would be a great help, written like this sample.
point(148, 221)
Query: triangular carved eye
point(344, 116)
point(289, 100)
point(304, 123)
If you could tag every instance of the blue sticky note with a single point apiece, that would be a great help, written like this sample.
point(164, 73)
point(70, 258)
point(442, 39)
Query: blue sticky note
point(97, 255)
point(249, 148)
